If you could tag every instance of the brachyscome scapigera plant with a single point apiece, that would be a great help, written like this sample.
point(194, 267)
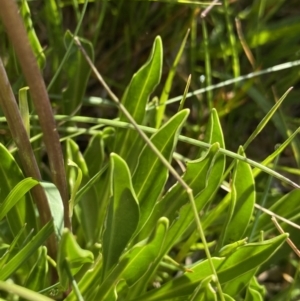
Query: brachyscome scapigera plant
point(141, 221)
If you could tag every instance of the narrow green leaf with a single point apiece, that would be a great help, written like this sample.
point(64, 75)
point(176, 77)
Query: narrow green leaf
point(185, 215)
point(186, 90)
point(286, 206)
point(151, 174)
point(23, 292)
point(56, 207)
point(16, 194)
point(279, 150)
point(78, 72)
point(257, 292)
point(76, 256)
point(36, 280)
point(135, 99)
point(26, 251)
point(228, 249)
point(94, 154)
point(107, 289)
point(234, 288)
point(87, 209)
point(55, 33)
point(179, 226)
point(196, 177)
point(33, 39)
point(11, 247)
point(123, 213)
point(24, 109)
point(244, 259)
point(204, 291)
point(228, 298)
point(253, 295)
point(75, 187)
point(89, 282)
point(23, 211)
point(266, 119)
point(243, 183)
point(135, 263)
point(142, 255)
point(160, 110)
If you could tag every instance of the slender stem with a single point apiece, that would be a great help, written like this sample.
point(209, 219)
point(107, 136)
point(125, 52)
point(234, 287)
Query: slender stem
point(236, 80)
point(203, 238)
point(67, 54)
point(14, 120)
point(288, 240)
point(125, 125)
point(18, 36)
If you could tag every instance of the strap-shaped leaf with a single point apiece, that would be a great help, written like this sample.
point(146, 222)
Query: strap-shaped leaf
point(135, 263)
point(233, 288)
point(123, 213)
point(185, 216)
point(16, 194)
point(215, 134)
point(26, 251)
point(246, 258)
point(95, 149)
point(151, 175)
point(160, 110)
point(78, 72)
point(204, 291)
point(69, 252)
point(23, 211)
point(244, 194)
point(196, 177)
point(56, 207)
point(142, 256)
point(87, 209)
point(37, 278)
point(32, 37)
point(287, 206)
point(135, 100)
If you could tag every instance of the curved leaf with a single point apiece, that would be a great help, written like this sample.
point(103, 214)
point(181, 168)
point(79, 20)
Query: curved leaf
point(78, 72)
point(244, 259)
point(143, 83)
point(56, 207)
point(76, 257)
point(16, 194)
point(160, 110)
point(204, 291)
point(151, 174)
point(36, 280)
point(196, 177)
point(142, 256)
point(23, 212)
point(185, 216)
point(32, 37)
point(26, 251)
point(87, 209)
point(123, 213)
point(243, 183)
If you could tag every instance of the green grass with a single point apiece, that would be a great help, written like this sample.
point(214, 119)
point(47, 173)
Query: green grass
point(111, 228)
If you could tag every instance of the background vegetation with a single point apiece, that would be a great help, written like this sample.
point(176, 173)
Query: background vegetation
point(131, 237)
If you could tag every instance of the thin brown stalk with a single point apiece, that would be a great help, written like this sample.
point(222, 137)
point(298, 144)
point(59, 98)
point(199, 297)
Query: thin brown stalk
point(17, 34)
point(244, 44)
point(208, 9)
point(13, 117)
point(288, 240)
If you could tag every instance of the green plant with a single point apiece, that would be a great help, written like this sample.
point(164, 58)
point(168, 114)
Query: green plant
point(134, 213)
